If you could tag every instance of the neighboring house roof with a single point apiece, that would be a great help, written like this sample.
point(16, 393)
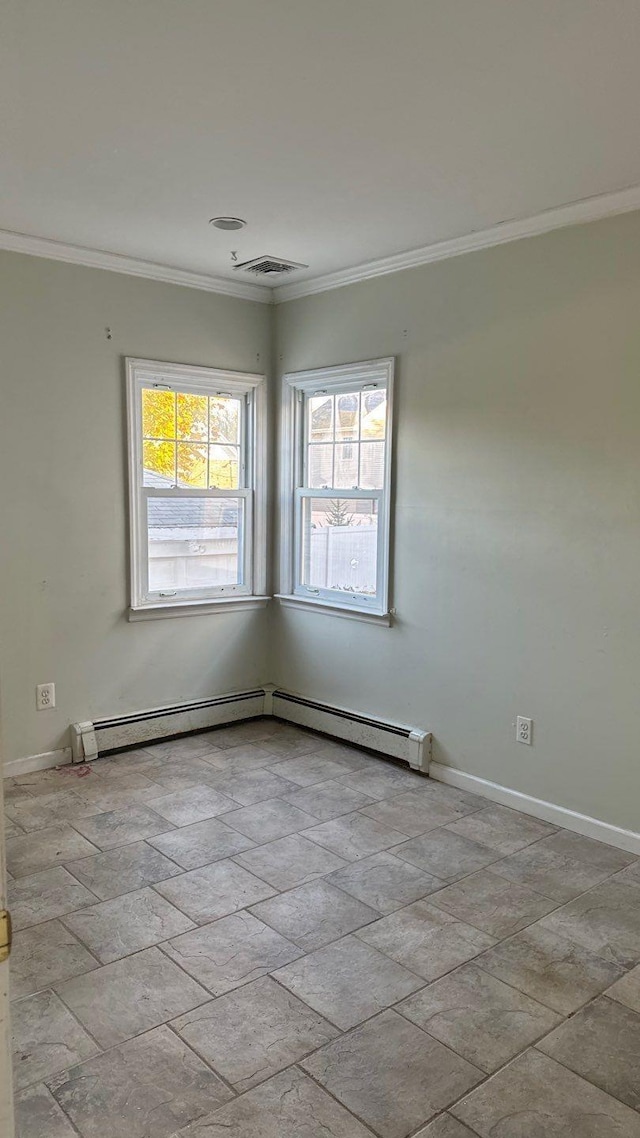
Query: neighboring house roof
point(189, 519)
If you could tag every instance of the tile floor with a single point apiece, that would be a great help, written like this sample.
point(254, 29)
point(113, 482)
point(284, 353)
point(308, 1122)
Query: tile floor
point(257, 933)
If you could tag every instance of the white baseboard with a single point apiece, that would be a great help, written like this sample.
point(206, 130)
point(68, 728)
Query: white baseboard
point(32, 763)
point(559, 815)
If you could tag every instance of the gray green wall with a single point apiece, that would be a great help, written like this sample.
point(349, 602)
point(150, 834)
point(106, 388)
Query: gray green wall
point(63, 532)
point(517, 512)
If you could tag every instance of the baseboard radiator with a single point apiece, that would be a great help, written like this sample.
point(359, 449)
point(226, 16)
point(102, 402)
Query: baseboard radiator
point(90, 739)
point(388, 738)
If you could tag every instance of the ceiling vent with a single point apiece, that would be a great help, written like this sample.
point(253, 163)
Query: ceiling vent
point(269, 266)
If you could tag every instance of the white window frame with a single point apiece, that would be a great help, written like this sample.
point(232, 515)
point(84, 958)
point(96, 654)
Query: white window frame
point(144, 604)
point(295, 387)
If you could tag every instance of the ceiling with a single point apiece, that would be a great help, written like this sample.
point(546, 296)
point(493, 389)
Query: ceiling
point(342, 130)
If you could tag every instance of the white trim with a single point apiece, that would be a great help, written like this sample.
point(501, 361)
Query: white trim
point(295, 386)
point(184, 377)
point(601, 831)
point(197, 608)
point(131, 266)
point(574, 213)
point(31, 763)
point(351, 613)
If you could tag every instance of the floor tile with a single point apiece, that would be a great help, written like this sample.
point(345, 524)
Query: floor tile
point(11, 830)
point(212, 892)
point(602, 1044)
point(627, 990)
point(630, 875)
point(248, 787)
point(246, 757)
point(445, 854)
point(45, 954)
point(391, 1075)
point(230, 952)
point(44, 848)
point(37, 1115)
point(106, 796)
point(314, 914)
point(479, 1017)
point(116, 928)
point(203, 842)
point(383, 782)
point(147, 1088)
point(182, 773)
point(550, 968)
point(254, 1032)
point(289, 861)
point(189, 746)
point(120, 827)
point(553, 874)
point(534, 1097)
point(427, 940)
point(502, 829)
point(128, 997)
point(327, 800)
point(267, 821)
point(348, 981)
point(292, 741)
point(384, 882)
point(123, 870)
point(49, 809)
point(309, 770)
point(46, 895)
point(288, 1106)
point(46, 1038)
point(605, 920)
point(414, 812)
point(496, 906)
point(587, 850)
point(354, 836)
point(183, 807)
point(446, 1126)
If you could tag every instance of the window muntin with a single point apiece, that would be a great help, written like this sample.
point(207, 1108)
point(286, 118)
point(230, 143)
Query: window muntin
point(341, 480)
point(194, 476)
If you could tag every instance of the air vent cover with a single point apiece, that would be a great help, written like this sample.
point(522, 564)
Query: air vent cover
point(269, 266)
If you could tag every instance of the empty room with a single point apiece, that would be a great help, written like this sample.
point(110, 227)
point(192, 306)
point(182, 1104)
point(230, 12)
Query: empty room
point(319, 569)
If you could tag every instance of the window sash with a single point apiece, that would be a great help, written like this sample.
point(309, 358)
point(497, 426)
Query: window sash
point(252, 558)
point(353, 599)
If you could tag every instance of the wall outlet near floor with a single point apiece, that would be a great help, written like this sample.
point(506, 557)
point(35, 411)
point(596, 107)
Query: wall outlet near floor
point(524, 730)
point(45, 696)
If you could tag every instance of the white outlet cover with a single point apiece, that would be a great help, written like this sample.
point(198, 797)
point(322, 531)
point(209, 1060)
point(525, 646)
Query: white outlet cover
point(524, 730)
point(45, 696)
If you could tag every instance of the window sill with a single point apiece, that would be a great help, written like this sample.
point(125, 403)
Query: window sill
point(294, 602)
point(197, 608)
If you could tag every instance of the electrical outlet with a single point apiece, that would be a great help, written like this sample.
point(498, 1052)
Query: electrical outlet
point(524, 730)
point(45, 696)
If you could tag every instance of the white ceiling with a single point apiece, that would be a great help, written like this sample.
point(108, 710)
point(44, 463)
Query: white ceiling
point(342, 130)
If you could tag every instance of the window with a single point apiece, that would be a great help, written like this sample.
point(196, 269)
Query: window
point(197, 487)
point(336, 476)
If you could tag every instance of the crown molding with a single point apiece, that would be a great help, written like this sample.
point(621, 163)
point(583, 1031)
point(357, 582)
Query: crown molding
point(131, 266)
point(575, 213)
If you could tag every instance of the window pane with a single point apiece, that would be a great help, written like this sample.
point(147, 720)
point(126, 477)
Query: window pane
point(346, 466)
point(192, 465)
point(371, 466)
point(373, 418)
point(224, 467)
point(194, 543)
point(158, 413)
point(224, 419)
point(159, 464)
point(340, 544)
point(347, 416)
point(320, 464)
point(321, 419)
point(192, 414)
